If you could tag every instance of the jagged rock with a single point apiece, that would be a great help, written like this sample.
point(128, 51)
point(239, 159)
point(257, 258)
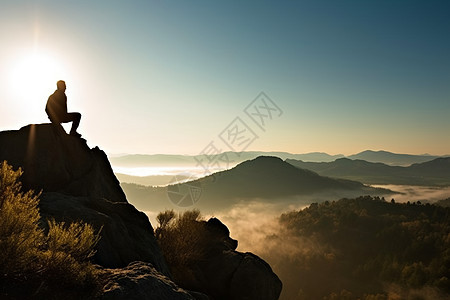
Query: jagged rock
point(57, 162)
point(79, 184)
point(126, 233)
point(140, 280)
point(220, 234)
point(226, 274)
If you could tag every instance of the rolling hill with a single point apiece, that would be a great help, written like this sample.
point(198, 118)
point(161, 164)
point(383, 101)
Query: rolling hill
point(191, 161)
point(389, 158)
point(434, 172)
point(265, 178)
point(167, 160)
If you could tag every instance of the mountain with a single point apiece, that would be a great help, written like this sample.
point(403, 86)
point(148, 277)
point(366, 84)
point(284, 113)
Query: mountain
point(439, 167)
point(169, 160)
point(266, 178)
point(390, 158)
point(312, 156)
point(77, 184)
point(434, 172)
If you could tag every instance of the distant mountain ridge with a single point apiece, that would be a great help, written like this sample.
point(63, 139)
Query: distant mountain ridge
point(389, 158)
point(167, 160)
point(434, 172)
point(142, 160)
point(269, 176)
point(264, 177)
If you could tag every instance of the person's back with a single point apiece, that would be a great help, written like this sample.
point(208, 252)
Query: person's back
point(56, 109)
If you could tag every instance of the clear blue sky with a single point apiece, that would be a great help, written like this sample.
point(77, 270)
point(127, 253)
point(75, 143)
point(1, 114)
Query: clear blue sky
point(170, 76)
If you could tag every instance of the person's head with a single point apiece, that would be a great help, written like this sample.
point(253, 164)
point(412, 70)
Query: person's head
point(61, 85)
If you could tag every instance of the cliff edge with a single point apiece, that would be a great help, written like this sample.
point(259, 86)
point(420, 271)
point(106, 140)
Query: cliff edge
point(77, 184)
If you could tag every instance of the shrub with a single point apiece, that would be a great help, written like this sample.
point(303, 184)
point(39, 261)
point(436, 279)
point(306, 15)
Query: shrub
point(183, 241)
point(35, 264)
point(20, 235)
point(76, 239)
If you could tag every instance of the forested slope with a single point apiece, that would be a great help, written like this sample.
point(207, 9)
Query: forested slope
point(364, 248)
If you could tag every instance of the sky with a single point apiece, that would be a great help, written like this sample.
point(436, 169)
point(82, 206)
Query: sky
point(193, 77)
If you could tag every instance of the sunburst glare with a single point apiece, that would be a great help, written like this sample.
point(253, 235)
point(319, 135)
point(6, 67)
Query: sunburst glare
point(35, 75)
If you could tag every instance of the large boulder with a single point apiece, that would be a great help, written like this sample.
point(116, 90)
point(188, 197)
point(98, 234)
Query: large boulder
point(139, 281)
point(226, 274)
point(57, 162)
point(234, 275)
point(254, 279)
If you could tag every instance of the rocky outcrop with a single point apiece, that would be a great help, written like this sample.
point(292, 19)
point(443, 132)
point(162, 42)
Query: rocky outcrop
point(78, 184)
point(226, 274)
point(139, 281)
point(57, 162)
point(126, 233)
point(242, 276)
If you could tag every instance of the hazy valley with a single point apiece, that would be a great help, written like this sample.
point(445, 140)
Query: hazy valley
point(262, 199)
point(225, 150)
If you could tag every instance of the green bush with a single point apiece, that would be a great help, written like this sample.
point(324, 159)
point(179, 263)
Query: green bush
point(183, 241)
point(179, 237)
point(20, 236)
point(76, 239)
point(38, 265)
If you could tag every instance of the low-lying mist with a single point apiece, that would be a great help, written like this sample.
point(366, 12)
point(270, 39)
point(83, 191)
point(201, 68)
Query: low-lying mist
point(253, 220)
point(255, 223)
point(252, 223)
point(414, 193)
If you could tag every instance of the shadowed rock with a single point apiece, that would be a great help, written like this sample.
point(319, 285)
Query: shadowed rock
point(56, 162)
point(139, 281)
point(242, 276)
point(126, 234)
point(79, 184)
point(226, 274)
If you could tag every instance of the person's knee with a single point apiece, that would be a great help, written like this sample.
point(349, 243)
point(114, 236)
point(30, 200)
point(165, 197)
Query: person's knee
point(71, 117)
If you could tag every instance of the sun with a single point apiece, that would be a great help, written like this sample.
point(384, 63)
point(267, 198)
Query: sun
point(35, 75)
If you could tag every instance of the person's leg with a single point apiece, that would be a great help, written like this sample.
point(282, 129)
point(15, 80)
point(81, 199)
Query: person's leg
point(56, 125)
point(75, 119)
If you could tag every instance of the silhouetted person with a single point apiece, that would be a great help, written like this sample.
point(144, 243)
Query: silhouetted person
point(56, 109)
